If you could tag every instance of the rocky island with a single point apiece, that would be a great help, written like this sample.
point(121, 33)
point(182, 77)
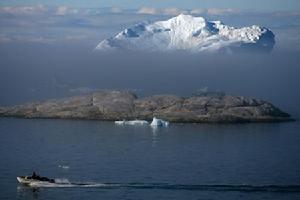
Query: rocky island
point(119, 105)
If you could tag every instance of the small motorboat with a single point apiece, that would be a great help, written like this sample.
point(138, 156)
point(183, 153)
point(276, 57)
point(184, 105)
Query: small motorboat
point(33, 179)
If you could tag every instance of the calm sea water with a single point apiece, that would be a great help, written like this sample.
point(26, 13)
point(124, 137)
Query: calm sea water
point(185, 161)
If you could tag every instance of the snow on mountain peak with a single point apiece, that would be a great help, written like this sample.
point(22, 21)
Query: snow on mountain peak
point(193, 34)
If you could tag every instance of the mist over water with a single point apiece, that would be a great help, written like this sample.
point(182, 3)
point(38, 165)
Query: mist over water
point(34, 73)
point(54, 58)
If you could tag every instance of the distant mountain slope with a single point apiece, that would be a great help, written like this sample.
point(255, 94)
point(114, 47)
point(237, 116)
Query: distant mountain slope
point(193, 34)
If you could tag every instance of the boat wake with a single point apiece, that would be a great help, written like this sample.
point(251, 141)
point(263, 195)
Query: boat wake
point(64, 183)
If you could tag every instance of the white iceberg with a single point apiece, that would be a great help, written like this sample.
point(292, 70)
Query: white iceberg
point(189, 33)
point(159, 122)
point(120, 122)
point(155, 123)
point(132, 122)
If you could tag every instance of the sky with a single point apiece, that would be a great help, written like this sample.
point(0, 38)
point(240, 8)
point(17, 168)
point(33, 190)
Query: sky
point(270, 5)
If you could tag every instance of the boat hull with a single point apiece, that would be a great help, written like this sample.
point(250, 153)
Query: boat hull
point(24, 180)
point(29, 181)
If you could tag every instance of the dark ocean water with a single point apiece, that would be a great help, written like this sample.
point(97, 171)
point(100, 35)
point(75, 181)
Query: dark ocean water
point(98, 160)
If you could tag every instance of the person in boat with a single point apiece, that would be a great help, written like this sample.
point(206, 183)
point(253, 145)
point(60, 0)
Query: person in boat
point(39, 178)
point(35, 176)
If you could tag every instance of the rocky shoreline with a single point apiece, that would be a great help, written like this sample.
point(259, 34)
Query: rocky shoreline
point(119, 105)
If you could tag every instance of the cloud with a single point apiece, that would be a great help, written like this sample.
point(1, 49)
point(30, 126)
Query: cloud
point(40, 10)
point(75, 37)
point(4, 39)
point(285, 13)
point(197, 11)
point(23, 10)
point(221, 11)
point(26, 38)
point(50, 24)
point(116, 9)
point(65, 10)
point(42, 40)
point(173, 11)
point(147, 10)
point(61, 10)
point(163, 11)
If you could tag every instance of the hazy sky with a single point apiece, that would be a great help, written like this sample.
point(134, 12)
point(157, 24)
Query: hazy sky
point(237, 4)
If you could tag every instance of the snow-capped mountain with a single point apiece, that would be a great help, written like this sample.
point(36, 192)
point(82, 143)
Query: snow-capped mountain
point(193, 34)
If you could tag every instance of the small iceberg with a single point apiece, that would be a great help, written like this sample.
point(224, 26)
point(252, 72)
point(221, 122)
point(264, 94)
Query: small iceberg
point(132, 122)
point(120, 122)
point(155, 123)
point(159, 122)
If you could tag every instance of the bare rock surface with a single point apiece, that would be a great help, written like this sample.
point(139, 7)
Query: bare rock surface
point(119, 105)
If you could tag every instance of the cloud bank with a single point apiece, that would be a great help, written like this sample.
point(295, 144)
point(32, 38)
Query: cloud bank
point(65, 24)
